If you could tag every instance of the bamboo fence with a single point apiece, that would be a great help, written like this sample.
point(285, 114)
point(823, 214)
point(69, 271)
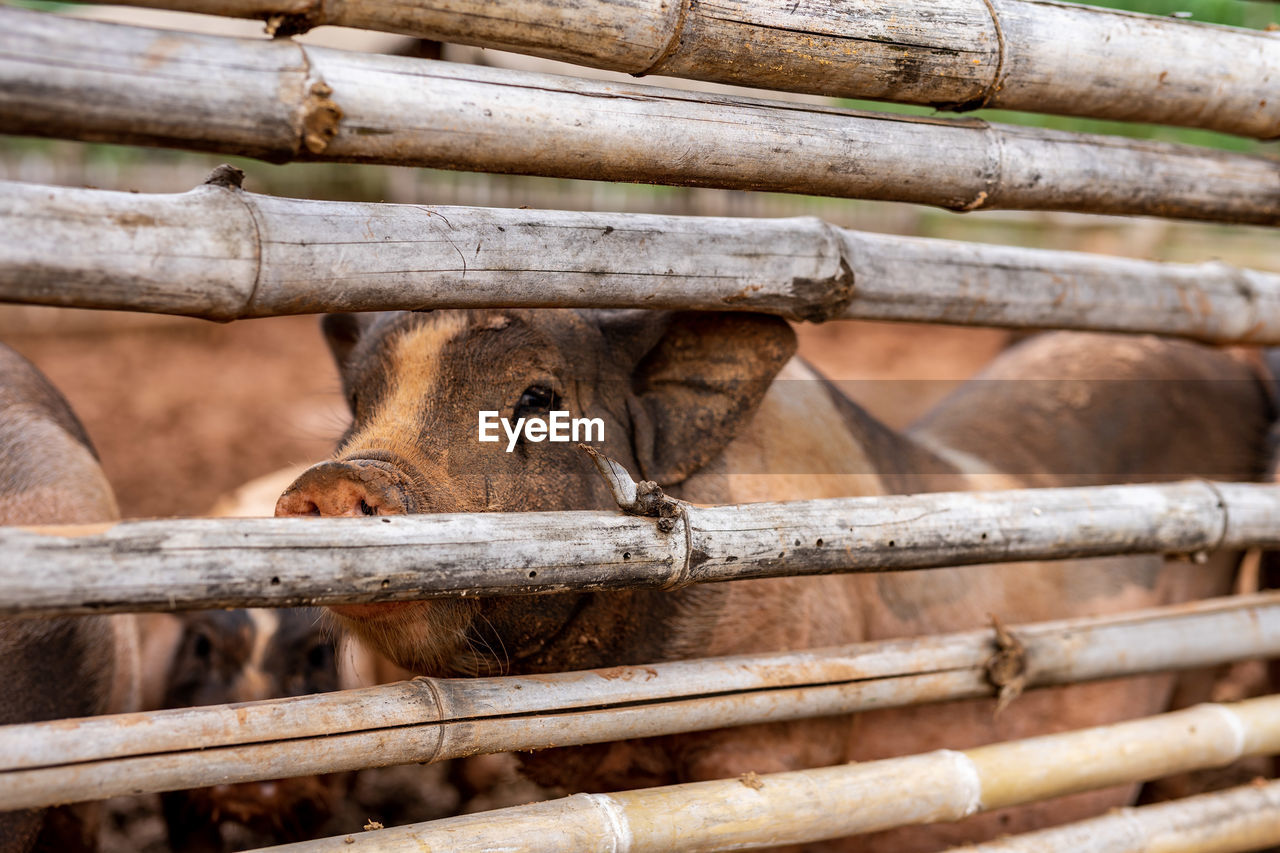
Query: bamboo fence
point(951, 54)
point(280, 101)
point(428, 720)
point(831, 802)
point(221, 253)
point(1231, 821)
point(176, 564)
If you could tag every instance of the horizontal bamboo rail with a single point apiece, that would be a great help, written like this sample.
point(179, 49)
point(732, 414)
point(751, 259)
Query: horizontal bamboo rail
point(832, 802)
point(429, 720)
point(282, 101)
point(1231, 821)
point(952, 54)
point(221, 253)
point(177, 564)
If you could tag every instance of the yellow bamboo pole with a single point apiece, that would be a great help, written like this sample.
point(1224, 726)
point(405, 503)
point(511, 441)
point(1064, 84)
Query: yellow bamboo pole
point(1232, 821)
point(831, 802)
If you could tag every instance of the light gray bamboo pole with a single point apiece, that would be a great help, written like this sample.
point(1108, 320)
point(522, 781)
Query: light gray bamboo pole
point(952, 54)
point(1231, 821)
point(221, 253)
point(176, 564)
point(282, 101)
point(436, 719)
point(832, 802)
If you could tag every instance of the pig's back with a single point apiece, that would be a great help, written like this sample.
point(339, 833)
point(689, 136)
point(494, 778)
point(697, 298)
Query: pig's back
point(1072, 408)
point(49, 472)
point(54, 668)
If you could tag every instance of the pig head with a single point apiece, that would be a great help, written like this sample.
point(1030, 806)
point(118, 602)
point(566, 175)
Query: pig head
point(227, 656)
point(670, 390)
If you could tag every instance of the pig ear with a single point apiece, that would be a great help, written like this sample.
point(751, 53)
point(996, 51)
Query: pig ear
point(343, 331)
point(699, 384)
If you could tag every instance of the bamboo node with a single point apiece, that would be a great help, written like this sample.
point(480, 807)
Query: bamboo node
point(1007, 668)
point(821, 299)
point(227, 176)
point(645, 498)
point(320, 117)
point(615, 820)
point(283, 26)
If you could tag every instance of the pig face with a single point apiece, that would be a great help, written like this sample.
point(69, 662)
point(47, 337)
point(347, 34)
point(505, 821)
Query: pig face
point(668, 392)
point(247, 655)
point(244, 656)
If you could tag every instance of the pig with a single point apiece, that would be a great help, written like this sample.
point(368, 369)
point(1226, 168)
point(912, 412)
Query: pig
point(56, 667)
point(226, 656)
point(715, 408)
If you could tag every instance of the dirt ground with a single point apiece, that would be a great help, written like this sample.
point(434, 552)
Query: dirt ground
point(183, 411)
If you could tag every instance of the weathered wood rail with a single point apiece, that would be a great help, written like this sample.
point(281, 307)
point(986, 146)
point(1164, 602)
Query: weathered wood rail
point(178, 564)
point(1231, 821)
point(951, 54)
point(831, 802)
point(221, 253)
point(429, 720)
point(281, 101)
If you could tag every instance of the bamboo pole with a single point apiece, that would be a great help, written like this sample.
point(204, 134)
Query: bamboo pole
point(221, 253)
point(283, 101)
point(832, 802)
point(1231, 821)
point(951, 54)
point(436, 719)
point(177, 564)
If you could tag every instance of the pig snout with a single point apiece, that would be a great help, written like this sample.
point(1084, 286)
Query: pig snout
point(348, 489)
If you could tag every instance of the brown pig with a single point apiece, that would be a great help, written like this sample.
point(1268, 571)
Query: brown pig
point(228, 656)
point(714, 408)
point(52, 668)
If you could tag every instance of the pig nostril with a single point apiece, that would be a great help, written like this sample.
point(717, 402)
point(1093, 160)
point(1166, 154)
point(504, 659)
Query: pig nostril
point(365, 509)
point(309, 508)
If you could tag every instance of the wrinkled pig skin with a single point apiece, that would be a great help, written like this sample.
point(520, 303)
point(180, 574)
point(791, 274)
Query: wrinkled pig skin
point(694, 402)
point(50, 667)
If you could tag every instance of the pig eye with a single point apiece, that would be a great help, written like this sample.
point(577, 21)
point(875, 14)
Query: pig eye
point(537, 400)
point(319, 657)
point(202, 646)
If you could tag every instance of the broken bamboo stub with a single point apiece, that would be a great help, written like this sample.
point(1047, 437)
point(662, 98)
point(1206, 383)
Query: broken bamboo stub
point(281, 101)
point(1231, 821)
point(429, 720)
point(832, 802)
point(275, 562)
point(950, 54)
point(220, 253)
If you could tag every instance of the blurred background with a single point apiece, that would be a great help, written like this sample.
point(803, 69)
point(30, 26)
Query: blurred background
point(183, 410)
